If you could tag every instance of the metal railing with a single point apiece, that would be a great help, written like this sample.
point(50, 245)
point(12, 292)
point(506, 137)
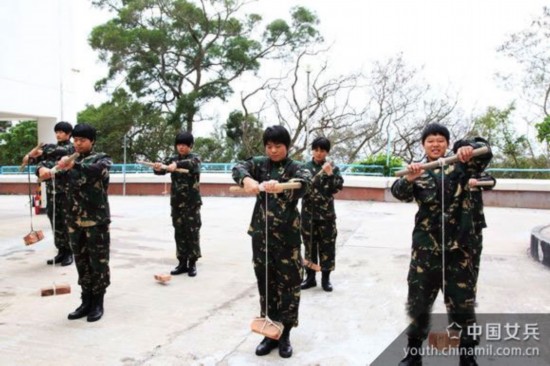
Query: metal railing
point(345, 169)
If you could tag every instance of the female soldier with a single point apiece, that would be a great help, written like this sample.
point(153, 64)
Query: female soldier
point(444, 207)
point(283, 237)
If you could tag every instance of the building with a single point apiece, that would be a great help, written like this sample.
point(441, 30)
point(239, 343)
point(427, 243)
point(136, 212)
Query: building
point(37, 70)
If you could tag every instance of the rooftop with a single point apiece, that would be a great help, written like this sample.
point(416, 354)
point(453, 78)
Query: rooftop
point(205, 320)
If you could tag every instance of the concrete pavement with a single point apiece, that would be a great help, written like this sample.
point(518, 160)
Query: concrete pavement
point(205, 320)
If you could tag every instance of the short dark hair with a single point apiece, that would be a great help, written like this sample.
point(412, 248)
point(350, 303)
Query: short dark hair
point(435, 129)
point(277, 134)
point(185, 138)
point(85, 130)
point(321, 143)
point(63, 126)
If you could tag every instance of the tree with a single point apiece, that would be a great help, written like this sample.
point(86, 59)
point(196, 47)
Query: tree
point(244, 135)
point(357, 112)
point(530, 49)
point(17, 141)
point(497, 127)
point(4, 125)
point(180, 54)
point(210, 150)
point(148, 135)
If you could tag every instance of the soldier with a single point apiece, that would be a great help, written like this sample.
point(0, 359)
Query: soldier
point(318, 215)
point(46, 157)
point(89, 220)
point(185, 202)
point(283, 240)
point(425, 271)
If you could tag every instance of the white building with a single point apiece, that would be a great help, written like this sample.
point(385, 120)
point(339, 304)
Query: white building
point(37, 71)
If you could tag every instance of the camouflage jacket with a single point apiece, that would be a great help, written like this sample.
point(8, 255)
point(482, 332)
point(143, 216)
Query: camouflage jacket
point(282, 207)
point(477, 200)
point(318, 202)
point(427, 191)
point(51, 153)
point(88, 185)
point(185, 189)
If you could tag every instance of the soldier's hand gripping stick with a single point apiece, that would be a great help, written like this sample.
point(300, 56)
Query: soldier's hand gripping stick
point(69, 159)
point(444, 161)
point(283, 186)
point(149, 164)
point(32, 154)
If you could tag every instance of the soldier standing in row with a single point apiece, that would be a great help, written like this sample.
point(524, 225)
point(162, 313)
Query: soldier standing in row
point(89, 220)
point(185, 202)
point(318, 215)
point(46, 157)
point(283, 242)
point(455, 217)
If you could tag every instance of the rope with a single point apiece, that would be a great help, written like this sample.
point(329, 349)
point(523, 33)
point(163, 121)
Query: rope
point(266, 259)
point(441, 162)
point(53, 219)
point(30, 195)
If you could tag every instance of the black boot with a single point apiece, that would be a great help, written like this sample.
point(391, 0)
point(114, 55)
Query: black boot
point(84, 308)
point(467, 356)
point(309, 282)
point(325, 281)
point(285, 349)
point(266, 346)
point(192, 268)
point(57, 259)
point(181, 267)
point(96, 309)
point(67, 258)
point(412, 358)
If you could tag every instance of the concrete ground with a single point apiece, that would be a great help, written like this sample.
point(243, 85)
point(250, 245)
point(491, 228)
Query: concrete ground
point(205, 320)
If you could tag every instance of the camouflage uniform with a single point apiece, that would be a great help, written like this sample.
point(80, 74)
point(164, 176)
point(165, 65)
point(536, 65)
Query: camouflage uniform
point(89, 220)
point(185, 202)
point(425, 271)
point(51, 153)
point(284, 260)
point(479, 218)
point(319, 217)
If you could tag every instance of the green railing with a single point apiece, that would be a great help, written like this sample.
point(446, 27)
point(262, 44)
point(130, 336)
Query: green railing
point(345, 169)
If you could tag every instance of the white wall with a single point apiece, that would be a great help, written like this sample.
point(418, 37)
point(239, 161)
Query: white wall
point(36, 62)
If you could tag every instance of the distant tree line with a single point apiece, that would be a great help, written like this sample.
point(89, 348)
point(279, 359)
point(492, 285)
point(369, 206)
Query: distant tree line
point(173, 62)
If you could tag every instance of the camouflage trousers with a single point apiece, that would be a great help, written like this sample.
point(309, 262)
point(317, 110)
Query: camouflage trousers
point(91, 256)
point(319, 237)
point(477, 247)
point(187, 225)
point(61, 233)
point(425, 281)
point(283, 276)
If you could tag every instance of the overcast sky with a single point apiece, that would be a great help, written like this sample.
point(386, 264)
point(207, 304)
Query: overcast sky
point(454, 40)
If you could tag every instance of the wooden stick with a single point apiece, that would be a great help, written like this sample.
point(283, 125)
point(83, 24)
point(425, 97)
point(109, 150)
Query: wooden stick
point(284, 186)
point(55, 169)
point(446, 161)
point(485, 183)
point(34, 149)
point(148, 163)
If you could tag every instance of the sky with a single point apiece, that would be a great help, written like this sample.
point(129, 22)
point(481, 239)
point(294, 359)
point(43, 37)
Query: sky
point(453, 41)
